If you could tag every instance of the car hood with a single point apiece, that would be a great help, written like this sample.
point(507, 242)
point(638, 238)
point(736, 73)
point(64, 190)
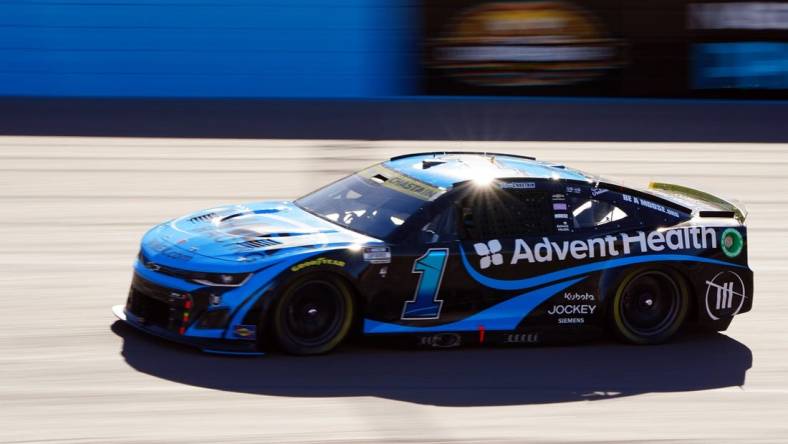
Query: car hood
point(247, 234)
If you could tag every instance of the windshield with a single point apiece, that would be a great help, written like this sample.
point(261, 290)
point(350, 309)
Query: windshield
point(374, 201)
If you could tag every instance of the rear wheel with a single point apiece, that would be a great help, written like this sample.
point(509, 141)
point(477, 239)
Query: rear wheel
point(313, 315)
point(649, 307)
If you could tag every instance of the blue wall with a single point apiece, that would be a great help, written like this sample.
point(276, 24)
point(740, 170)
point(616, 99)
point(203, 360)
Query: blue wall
point(207, 48)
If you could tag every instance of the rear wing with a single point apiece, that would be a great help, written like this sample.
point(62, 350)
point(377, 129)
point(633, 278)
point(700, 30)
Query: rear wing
point(714, 206)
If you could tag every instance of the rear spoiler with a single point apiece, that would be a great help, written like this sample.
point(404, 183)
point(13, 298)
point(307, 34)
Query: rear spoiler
point(719, 207)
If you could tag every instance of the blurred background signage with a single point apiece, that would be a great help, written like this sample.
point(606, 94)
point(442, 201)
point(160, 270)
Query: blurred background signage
point(613, 48)
point(738, 15)
point(739, 46)
point(522, 44)
point(387, 48)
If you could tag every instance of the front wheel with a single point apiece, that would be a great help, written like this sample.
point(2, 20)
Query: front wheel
point(649, 307)
point(313, 315)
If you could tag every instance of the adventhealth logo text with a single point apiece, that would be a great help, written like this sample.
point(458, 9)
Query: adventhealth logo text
point(606, 246)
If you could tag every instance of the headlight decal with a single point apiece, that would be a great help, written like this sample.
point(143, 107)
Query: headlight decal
point(221, 279)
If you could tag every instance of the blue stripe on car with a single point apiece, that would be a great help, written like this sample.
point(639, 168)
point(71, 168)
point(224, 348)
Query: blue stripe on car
point(267, 275)
point(520, 284)
point(502, 316)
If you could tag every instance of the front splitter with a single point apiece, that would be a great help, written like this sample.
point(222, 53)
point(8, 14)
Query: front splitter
point(207, 346)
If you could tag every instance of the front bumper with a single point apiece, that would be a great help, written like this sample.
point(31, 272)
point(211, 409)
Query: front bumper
point(182, 313)
point(217, 320)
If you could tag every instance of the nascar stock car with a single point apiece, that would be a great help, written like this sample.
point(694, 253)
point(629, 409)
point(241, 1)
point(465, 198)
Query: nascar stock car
point(444, 249)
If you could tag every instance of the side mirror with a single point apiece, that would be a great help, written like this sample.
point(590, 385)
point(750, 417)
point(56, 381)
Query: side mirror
point(429, 236)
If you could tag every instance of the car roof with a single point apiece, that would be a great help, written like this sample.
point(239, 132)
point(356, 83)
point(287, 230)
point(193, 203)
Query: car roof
point(444, 169)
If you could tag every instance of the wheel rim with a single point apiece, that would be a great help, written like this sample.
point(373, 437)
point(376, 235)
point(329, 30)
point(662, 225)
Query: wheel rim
point(650, 304)
point(314, 313)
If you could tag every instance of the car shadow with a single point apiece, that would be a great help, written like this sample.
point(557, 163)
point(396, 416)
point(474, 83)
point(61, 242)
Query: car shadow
point(456, 377)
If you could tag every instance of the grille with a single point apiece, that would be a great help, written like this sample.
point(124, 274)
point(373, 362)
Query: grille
point(164, 307)
point(183, 274)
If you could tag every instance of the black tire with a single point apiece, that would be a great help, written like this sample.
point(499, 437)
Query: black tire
point(649, 307)
point(313, 315)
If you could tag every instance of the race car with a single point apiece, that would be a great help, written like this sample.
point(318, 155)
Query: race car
point(445, 249)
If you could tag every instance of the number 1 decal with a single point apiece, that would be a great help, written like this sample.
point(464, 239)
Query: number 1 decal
point(425, 303)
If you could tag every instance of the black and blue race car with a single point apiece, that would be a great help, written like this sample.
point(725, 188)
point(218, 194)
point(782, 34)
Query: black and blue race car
point(445, 249)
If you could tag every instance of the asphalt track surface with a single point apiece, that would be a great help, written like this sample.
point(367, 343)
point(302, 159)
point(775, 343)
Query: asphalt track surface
point(73, 210)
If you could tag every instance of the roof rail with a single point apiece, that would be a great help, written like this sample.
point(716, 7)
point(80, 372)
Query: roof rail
point(484, 153)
